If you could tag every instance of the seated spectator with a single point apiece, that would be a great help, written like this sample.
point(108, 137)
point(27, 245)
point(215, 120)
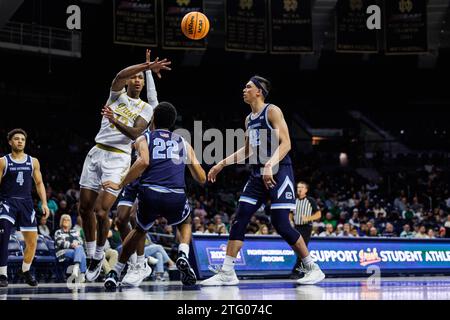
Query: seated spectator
point(373, 232)
point(354, 221)
point(199, 211)
point(442, 232)
point(329, 231)
point(447, 223)
point(263, 230)
point(346, 231)
point(157, 252)
point(363, 230)
point(330, 220)
point(69, 245)
point(389, 231)
point(339, 229)
point(342, 218)
point(196, 222)
point(431, 234)
point(222, 230)
point(43, 228)
point(378, 210)
point(114, 237)
point(211, 228)
point(111, 255)
point(218, 222)
point(406, 233)
point(422, 234)
point(200, 229)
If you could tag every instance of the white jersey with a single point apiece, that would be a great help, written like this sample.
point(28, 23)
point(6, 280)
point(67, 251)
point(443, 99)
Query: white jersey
point(126, 110)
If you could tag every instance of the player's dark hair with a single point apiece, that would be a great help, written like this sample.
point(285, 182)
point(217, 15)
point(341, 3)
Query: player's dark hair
point(16, 131)
point(305, 183)
point(164, 115)
point(264, 83)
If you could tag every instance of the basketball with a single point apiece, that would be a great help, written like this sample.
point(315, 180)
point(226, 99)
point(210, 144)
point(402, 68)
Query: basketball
point(195, 25)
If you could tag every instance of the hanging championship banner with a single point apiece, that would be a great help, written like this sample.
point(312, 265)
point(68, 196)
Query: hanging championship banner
point(246, 25)
point(406, 26)
point(173, 12)
point(290, 26)
point(352, 34)
point(135, 22)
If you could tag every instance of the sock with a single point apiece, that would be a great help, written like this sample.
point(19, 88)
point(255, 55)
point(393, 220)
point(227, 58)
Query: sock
point(3, 271)
point(307, 261)
point(90, 248)
point(228, 263)
point(140, 259)
point(98, 255)
point(118, 268)
point(76, 268)
point(184, 247)
point(26, 267)
point(133, 258)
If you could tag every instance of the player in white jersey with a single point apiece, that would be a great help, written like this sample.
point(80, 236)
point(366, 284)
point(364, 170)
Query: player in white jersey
point(137, 265)
point(125, 117)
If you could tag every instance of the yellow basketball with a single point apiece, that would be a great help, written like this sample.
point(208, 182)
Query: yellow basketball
point(195, 25)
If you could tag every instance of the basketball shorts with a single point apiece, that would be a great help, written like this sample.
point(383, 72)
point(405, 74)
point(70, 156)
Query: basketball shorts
point(129, 194)
point(156, 201)
point(20, 212)
point(102, 165)
point(282, 196)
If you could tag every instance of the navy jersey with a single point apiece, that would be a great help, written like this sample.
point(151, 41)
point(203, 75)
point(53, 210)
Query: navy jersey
point(263, 141)
point(167, 160)
point(17, 181)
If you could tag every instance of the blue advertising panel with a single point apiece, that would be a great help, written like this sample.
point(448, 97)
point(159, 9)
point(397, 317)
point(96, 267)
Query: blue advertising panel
point(271, 256)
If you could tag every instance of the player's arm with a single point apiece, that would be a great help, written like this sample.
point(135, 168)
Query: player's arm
point(121, 78)
point(2, 168)
point(317, 215)
point(131, 132)
point(276, 118)
point(152, 95)
point(40, 187)
point(240, 155)
point(138, 167)
point(194, 165)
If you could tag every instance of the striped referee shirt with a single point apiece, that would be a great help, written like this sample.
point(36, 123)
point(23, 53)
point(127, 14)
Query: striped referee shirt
point(304, 208)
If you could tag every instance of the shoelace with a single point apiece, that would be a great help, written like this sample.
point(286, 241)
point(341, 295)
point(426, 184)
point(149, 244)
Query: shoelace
point(215, 268)
point(301, 269)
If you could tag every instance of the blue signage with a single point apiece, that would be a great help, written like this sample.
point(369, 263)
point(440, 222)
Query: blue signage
point(271, 256)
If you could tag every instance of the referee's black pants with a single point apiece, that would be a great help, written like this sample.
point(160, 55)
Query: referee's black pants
point(305, 231)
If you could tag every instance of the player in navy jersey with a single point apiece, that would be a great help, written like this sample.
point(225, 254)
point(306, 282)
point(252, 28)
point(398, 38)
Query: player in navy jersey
point(17, 172)
point(267, 144)
point(163, 157)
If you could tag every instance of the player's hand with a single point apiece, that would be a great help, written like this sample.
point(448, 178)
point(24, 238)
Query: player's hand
point(108, 113)
point(45, 210)
point(158, 65)
point(212, 174)
point(111, 185)
point(267, 176)
point(147, 55)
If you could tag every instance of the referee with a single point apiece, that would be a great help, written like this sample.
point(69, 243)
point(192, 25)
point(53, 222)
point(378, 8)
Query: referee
point(305, 212)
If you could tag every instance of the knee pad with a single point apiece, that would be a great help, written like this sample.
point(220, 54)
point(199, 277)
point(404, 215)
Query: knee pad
point(243, 215)
point(280, 220)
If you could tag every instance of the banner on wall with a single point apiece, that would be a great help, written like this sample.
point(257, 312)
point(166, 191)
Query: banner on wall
point(290, 26)
point(135, 22)
point(406, 26)
point(246, 25)
point(173, 12)
point(351, 32)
